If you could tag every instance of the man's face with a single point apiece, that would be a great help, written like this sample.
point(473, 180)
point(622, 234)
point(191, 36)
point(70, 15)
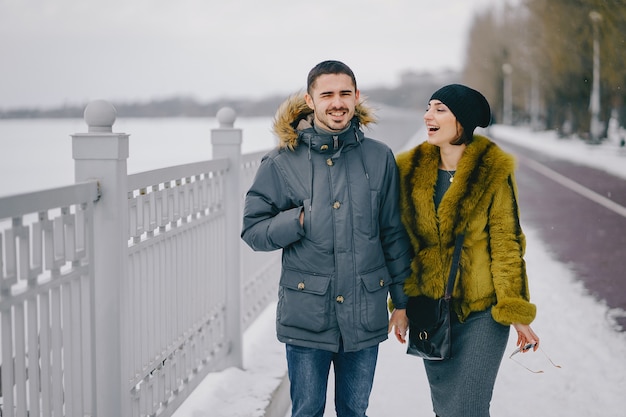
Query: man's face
point(333, 99)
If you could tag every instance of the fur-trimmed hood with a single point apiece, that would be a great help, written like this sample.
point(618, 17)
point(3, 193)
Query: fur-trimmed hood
point(294, 116)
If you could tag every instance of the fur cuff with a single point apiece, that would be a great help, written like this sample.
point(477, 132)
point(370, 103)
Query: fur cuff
point(514, 310)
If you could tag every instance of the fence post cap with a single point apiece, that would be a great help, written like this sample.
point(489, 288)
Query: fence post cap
point(100, 116)
point(226, 117)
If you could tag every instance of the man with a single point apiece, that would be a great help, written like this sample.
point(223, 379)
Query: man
point(328, 197)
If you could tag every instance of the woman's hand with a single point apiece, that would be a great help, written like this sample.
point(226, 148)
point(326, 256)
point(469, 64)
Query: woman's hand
point(525, 336)
point(399, 322)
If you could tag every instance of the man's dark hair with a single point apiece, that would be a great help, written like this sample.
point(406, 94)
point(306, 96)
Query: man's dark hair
point(328, 67)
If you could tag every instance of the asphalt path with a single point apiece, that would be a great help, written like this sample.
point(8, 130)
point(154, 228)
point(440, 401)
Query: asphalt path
point(394, 126)
point(580, 213)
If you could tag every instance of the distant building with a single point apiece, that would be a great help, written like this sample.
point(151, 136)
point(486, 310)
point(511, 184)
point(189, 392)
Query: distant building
point(429, 78)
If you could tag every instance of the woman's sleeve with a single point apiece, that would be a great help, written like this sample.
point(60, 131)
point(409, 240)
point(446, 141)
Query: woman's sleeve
point(508, 268)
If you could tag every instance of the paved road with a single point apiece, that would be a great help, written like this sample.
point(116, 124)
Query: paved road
point(394, 126)
point(580, 213)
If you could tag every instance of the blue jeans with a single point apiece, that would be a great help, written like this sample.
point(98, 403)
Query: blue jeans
point(308, 376)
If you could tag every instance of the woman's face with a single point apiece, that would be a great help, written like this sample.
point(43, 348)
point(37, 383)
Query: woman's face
point(441, 124)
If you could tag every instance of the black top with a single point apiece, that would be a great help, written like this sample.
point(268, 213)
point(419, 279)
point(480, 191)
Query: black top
point(443, 183)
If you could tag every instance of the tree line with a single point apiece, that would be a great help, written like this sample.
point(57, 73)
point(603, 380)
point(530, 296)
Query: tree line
point(545, 48)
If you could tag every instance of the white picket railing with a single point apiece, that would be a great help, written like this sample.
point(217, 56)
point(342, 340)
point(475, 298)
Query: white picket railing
point(46, 301)
point(118, 294)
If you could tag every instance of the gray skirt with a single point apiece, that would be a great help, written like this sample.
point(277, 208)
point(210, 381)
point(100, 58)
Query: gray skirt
point(462, 385)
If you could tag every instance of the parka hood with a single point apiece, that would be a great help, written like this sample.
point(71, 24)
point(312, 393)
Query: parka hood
point(294, 115)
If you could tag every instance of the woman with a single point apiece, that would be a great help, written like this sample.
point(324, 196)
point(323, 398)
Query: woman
point(458, 182)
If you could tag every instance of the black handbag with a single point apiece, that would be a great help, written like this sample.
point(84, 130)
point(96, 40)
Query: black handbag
point(429, 319)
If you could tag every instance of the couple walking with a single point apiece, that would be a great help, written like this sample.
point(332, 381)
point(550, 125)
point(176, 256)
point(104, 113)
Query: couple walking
point(356, 226)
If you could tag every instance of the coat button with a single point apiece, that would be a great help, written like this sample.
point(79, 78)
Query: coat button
point(382, 282)
point(300, 286)
point(329, 162)
point(336, 204)
point(324, 147)
point(339, 299)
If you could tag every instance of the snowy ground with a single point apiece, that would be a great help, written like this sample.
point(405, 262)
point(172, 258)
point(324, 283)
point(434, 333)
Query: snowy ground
point(576, 331)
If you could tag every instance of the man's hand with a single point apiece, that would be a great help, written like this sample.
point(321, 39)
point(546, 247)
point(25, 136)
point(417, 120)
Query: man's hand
point(399, 323)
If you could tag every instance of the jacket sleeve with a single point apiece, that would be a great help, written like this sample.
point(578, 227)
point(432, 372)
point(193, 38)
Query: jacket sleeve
point(270, 222)
point(394, 239)
point(508, 268)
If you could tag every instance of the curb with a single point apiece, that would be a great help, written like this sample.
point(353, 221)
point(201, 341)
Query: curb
point(280, 400)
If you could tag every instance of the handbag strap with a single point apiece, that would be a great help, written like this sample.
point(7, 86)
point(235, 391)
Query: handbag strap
point(456, 257)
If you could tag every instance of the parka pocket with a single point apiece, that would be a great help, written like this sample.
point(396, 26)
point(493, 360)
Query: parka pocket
point(374, 291)
point(304, 301)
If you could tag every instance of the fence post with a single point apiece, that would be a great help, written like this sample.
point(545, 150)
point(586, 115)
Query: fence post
point(102, 155)
point(226, 143)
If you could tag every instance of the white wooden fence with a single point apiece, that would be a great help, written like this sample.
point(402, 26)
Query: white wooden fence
point(120, 293)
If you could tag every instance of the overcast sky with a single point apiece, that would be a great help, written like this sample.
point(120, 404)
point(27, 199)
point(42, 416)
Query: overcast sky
point(72, 51)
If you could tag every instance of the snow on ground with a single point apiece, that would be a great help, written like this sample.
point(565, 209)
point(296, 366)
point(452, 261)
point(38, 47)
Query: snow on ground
point(576, 331)
point(608, 156)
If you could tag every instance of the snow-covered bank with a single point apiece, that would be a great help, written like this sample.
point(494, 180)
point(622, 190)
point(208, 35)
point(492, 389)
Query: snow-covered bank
point(607, 156)
point(248, 392)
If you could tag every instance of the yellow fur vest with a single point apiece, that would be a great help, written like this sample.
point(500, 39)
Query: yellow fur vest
point(482, 203)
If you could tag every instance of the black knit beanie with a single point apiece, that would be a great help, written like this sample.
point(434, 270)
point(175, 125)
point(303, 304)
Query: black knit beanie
point(468, 105)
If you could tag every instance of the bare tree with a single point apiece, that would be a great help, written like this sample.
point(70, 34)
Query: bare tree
point(548, 45)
